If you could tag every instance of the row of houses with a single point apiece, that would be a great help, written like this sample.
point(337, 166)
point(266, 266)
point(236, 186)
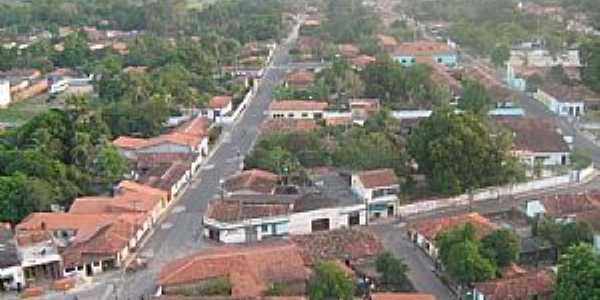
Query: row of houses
point(253, 269)
point(537, 282)
point(257, 205)
point(100, 233)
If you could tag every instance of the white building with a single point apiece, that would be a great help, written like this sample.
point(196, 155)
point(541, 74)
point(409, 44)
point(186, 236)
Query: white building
point(4, 93)
point(11, 272)
point(378, 188)
point(297, 109)
point(537, 142)
point(563, 102)
point(249, 218)
point(541, 58)
point(218, 107)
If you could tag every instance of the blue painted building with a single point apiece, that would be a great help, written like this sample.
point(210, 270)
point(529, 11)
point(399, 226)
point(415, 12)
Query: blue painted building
point(408, 54)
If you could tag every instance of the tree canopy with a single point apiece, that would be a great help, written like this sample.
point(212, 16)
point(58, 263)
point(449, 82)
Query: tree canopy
point(578, 274)
point(330, 282)
point(459, 152)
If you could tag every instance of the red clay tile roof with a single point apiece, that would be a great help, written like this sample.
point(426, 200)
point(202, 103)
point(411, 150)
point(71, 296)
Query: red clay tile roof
point(298, 105)
point(567, 204)
point(126, 142)
point(235, 210)
point(348, 50)
point(401, 296)
point(592, 217)
point(85, 225)
point(353, 244)
point(288, 125)
point(260, 181)
point(219, 102)
point(145, 160)
point(165, 176)
point(378, 178)
point(300, 77)
point(338, 120)
point(251, 269)
point(566, 93)
point(423, 48)
point(190, 134)
point(362, 61)
point(430, 228)
point(386, 40)
point(534, 135)
point(521, 287)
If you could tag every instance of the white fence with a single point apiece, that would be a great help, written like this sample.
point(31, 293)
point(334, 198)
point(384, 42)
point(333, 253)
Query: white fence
point(496, 192)
point(241, 107)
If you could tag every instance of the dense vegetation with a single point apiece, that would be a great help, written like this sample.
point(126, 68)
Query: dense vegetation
point(468, 259)
point(459, 152)
point(54, 158)
point(578, 274)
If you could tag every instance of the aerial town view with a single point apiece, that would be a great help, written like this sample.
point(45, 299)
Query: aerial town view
point(300, 149)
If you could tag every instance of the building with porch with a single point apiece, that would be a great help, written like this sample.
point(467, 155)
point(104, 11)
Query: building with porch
point(297, 109)
point(378, 189)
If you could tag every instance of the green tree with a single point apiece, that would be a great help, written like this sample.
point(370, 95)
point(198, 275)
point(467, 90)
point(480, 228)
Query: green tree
point(110, 165)
point(476, 98)
point(76, 51)
point(581, 158)
point(20, 196)
point(330, 282)
point(500, 55)
point(565, 235)
point(590, 56)
point(392, 270)
point(458, 152)
point(502, 247)
point(460, 252)
point(578, 274)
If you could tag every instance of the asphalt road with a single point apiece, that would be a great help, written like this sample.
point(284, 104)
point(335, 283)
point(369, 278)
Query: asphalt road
point(179, 234)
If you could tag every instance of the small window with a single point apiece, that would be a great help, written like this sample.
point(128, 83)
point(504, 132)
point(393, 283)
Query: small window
point(290, 115)
point(69, 270)
point(403, 61)
point(440, 60)
point(96, 264)
point(305, 115)
point(264, 228)
point(413, 60)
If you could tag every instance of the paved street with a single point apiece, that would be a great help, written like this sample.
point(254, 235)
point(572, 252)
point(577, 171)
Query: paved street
point(420, 267)
point(179, 234)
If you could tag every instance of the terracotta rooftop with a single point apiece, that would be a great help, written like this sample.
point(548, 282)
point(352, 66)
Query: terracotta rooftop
point(362, 61)
point(527, 286)
point(387, 41)
point(378, 178)
point(338, 120)
point(568, 204)
point(401, 296)
point(232, 210)
point(423, 48)
point(288, 125)
point(219, 102)
point(300, 77)
point(145, 160)
point(250, 269)
point(566, 93)
point(353, 244)
point(255, 180)
point(348, 50)
point(297, 105)
point(164, 176)
point(534, 135)
point(430, 228)
point(190, 134)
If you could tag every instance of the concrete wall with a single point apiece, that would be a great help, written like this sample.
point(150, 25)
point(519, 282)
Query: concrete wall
point(496, 192)
point(17, 274)
point(301, 223)
point(242, 106)
point(291, 114)
point(4, 93)
point(166, 148)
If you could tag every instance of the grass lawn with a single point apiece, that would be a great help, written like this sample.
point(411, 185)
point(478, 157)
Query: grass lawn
point(18, 113)
point(198, 4)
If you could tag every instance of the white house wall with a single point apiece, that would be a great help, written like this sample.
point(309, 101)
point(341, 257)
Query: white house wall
point(295, 114)
point(301, 223)
point(166, 148)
